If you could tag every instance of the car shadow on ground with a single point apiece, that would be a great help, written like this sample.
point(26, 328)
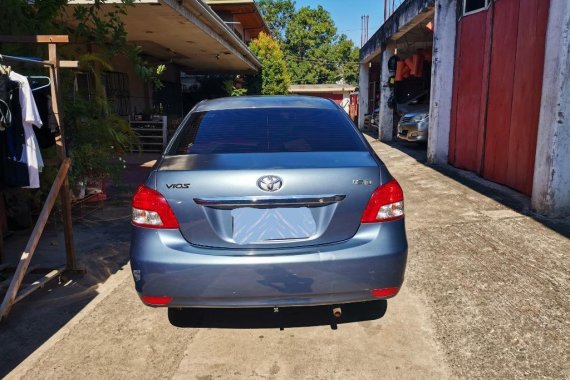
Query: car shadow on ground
point(288, 317)
point(502, 194)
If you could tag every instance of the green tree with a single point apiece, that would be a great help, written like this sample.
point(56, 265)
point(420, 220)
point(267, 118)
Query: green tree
point(345, 57)
point(313, 49)
point(273, 78)
point(308, 45)
point(22, 17)
point(277, 14)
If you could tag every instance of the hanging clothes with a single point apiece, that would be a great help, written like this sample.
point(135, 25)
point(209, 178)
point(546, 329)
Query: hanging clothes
point(30, 117)
point(14, 171)
point(45, 135)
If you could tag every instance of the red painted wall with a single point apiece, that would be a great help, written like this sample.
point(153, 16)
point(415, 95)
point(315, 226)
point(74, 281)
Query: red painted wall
point(468, 92)
point(497, 91)
point(501, 88)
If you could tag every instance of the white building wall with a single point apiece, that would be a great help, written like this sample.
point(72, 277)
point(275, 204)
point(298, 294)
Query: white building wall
point(443, 62)
point(551, 185)
point(363, 84)
point(386, 114)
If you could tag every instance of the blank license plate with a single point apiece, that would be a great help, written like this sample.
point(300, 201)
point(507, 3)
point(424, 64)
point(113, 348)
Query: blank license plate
point(252, 225)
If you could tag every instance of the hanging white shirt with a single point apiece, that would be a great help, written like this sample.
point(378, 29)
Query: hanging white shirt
point(30, 117)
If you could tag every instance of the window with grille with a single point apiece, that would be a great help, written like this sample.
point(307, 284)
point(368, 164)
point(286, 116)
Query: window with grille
point(471, 6)
point(117, 91)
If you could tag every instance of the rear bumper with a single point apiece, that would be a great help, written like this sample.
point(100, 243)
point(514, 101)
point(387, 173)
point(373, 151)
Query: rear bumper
point(409, 138)
point(165, 264)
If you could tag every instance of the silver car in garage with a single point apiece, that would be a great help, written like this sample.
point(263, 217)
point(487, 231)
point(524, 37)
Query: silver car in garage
point(267, 202)
point(414, 126)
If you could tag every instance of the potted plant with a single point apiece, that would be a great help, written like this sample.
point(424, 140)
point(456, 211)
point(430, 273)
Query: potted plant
point(97, 144)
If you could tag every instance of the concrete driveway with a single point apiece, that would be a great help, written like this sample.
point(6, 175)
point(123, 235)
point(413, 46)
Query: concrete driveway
point(486, 296)
point(117, 337)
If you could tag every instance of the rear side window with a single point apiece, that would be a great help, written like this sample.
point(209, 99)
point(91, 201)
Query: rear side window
point(264, 130)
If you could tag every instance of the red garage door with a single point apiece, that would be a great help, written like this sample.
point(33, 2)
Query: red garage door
point(466, 137)
point(497, 91)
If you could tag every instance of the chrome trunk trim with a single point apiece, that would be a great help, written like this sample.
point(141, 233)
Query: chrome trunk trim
point(285, 201)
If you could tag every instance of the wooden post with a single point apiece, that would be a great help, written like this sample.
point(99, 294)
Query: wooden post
point(32, 244)
point(64, 192)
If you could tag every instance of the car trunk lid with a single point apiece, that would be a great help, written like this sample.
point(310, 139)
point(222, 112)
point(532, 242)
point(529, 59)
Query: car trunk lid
point(220, 202)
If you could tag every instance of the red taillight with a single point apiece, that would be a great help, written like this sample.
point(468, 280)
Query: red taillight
point(384, 292)
point(150, 209)
point(386, 204)
point(156, 300)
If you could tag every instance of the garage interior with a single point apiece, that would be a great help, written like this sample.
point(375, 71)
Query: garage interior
point(412, 75)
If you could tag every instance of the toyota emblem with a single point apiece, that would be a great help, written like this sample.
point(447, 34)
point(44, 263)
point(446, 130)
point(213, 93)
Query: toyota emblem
point(270, 183)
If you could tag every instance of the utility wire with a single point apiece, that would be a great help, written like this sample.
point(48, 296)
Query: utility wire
point(322, 60)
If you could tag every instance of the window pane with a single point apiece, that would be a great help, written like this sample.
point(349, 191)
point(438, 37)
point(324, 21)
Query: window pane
point(267, 130)
point(473, 5)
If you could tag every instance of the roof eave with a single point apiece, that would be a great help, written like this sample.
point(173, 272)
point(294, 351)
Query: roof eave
point(205, 12)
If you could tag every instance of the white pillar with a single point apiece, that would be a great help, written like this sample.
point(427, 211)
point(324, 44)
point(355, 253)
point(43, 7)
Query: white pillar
point(443, 61)
point(363, 78)
point(386, 113)
point(551, 185)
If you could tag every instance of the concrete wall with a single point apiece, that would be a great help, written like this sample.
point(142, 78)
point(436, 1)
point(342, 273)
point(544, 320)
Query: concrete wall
point(386, 114)
point(443, 61)
point(551, 185)
point(363, 87)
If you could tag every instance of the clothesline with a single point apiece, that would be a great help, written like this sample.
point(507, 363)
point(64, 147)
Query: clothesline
point(24, 59)
point(29, 60)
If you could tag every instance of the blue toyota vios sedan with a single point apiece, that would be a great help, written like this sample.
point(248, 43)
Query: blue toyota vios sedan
point(267, 202)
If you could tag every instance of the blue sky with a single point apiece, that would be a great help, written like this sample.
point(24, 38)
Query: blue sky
point(346, 14)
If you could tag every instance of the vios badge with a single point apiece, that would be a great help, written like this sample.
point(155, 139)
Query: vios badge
point(177, 185)
point(269, 183)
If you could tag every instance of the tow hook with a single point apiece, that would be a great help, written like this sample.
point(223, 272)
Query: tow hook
point(337, 312)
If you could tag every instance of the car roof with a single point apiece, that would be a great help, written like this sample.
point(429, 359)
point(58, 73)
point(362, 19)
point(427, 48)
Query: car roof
point(279, 101)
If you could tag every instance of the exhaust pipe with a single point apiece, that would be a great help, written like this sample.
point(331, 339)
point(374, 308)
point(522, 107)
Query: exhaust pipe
point(337, 312)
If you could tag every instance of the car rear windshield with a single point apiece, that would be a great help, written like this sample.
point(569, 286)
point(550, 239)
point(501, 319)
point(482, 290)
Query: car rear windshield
point(267, 130)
